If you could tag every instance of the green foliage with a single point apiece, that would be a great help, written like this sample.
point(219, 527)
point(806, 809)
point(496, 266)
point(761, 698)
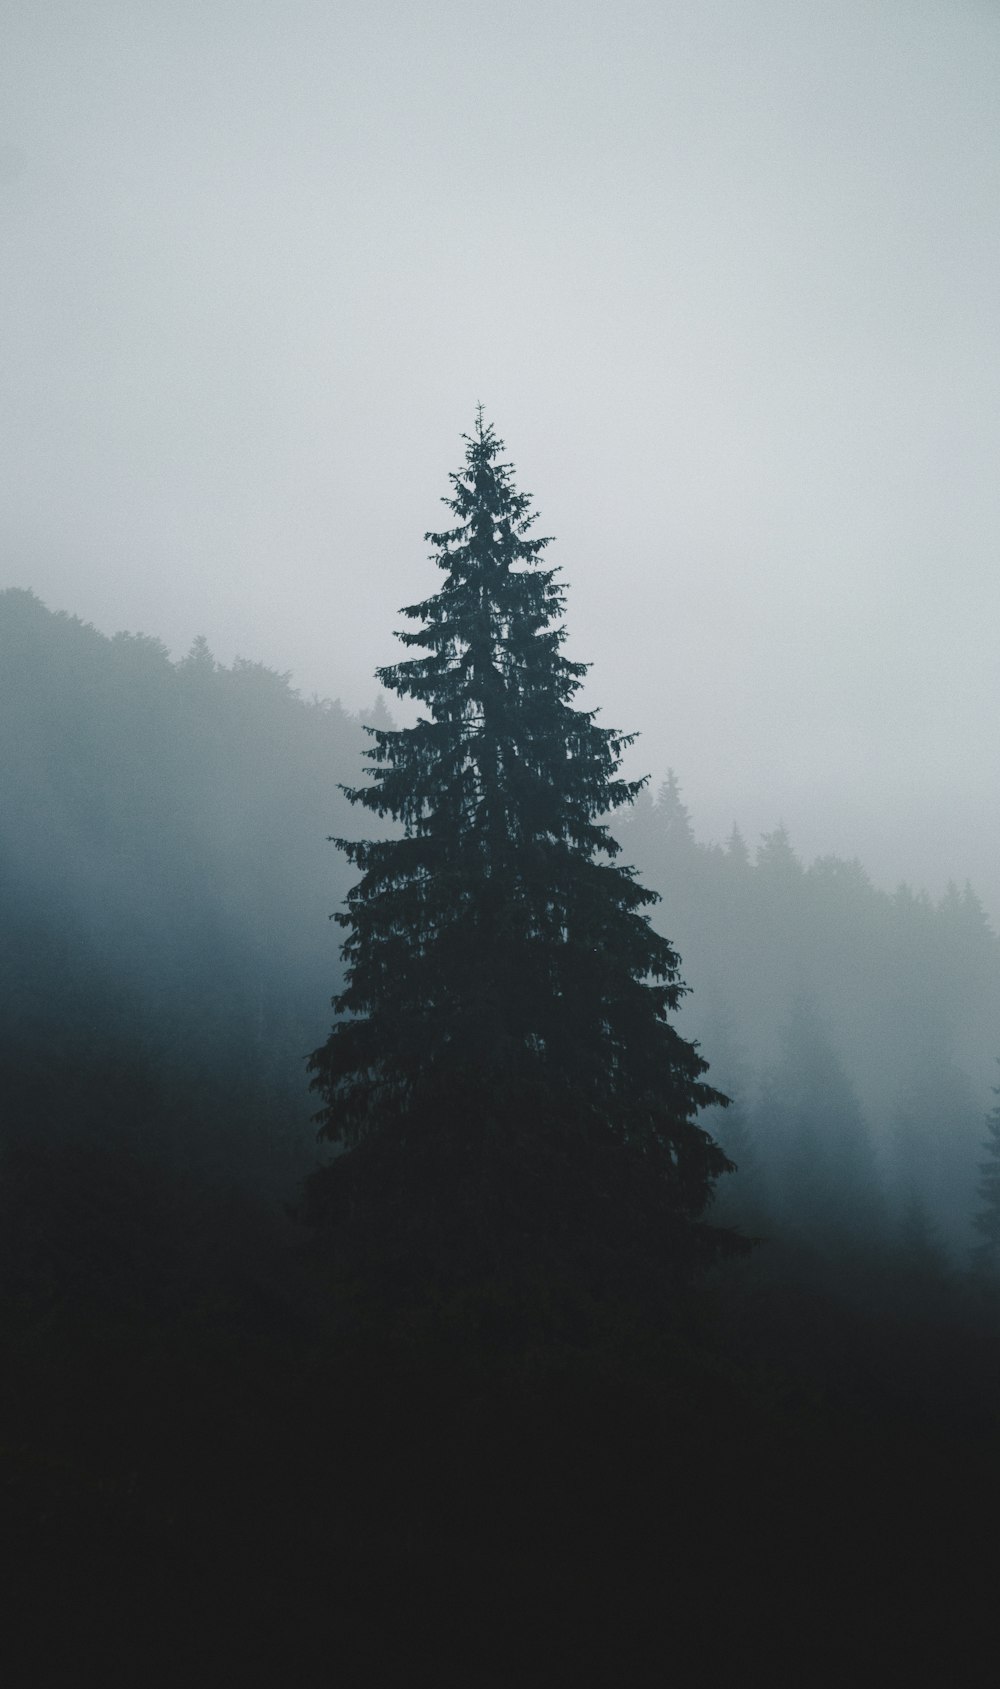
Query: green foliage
point(506, 1011)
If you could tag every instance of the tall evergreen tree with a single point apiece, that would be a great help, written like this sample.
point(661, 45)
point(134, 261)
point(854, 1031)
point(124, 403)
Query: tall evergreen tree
point(505, 1040)
point(986, 1255)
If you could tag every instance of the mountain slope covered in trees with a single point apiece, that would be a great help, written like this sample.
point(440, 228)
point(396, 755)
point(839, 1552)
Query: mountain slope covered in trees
point(165, 888)
point(168, 960)
point(233, 1462)
point(902, 992)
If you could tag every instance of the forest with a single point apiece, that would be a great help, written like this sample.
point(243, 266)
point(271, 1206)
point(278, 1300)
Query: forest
point(392, 1353)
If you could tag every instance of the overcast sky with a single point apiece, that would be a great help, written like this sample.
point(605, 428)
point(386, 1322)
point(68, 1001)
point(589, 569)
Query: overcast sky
point(723, 273)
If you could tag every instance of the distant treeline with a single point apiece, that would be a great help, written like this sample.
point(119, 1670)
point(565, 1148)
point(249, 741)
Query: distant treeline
point(167, 963)
point(855, 1029)
point(165, 887)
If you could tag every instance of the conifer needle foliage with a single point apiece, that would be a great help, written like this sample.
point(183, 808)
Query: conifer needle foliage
point(986, 1256)
point(507, 1002)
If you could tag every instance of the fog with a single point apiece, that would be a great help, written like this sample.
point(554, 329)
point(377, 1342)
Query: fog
point(724, 278)
point(546, 1350)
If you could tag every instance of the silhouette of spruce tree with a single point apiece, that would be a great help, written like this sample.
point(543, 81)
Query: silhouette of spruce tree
point(505, 1075)
point(986, 1255)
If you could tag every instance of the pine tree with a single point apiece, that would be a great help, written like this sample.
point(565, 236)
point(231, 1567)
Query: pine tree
point(986, 1256)
point(505, 1051)
point(674, 815)
point(737, 851)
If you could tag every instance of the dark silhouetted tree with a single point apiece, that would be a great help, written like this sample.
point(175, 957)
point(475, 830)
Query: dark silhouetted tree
point(674, 815)
point(505, 1059)
point(986, 1255)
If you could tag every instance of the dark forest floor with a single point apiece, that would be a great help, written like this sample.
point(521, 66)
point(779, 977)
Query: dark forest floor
point(221, 1465)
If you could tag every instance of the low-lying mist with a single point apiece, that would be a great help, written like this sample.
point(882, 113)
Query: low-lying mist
point(169, 962)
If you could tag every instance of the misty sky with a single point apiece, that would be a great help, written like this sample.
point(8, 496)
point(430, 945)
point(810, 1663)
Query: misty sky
point(724, 274)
